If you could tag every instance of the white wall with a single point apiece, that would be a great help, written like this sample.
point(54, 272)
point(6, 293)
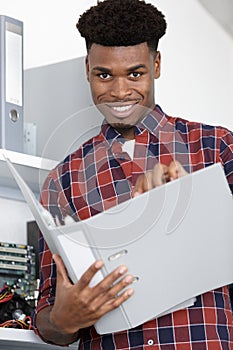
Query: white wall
point(197, 70)
point(50, 34)
point(13, 218)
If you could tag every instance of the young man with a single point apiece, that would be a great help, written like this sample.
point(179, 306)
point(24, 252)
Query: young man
point(139, 147)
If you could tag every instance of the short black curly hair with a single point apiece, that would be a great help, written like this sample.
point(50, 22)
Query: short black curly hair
point(122, 23)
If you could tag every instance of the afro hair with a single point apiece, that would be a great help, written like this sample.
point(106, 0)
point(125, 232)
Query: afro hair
point(122, 23)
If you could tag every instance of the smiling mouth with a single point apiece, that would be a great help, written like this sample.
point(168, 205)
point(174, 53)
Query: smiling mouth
point(122, 108)
point(128, 111)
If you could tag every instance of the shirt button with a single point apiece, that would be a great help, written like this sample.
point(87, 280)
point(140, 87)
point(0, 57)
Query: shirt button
point(150, 342)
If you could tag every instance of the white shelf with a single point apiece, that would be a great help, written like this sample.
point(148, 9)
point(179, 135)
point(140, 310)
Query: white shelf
point(33, 170)
point(19, 339)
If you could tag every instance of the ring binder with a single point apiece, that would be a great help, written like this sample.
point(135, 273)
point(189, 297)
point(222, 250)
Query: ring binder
point(11, 84)
point(169, 270)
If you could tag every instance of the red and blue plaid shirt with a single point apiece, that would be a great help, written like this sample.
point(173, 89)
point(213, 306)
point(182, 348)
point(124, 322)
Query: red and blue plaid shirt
point(100, 175)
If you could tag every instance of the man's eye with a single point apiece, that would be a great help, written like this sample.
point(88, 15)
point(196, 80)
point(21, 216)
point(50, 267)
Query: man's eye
point(104, 76)
point(135, 75)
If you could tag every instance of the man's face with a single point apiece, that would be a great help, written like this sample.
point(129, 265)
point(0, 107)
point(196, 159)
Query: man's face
point(122, 82)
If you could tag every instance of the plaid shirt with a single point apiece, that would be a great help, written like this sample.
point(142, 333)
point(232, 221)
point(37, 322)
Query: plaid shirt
point(100, 175)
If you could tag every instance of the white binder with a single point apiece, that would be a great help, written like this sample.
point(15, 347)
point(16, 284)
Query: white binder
point(11, 84)
point(175, 239)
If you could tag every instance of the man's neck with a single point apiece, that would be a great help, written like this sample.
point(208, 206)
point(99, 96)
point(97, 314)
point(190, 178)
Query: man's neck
point(127, 133)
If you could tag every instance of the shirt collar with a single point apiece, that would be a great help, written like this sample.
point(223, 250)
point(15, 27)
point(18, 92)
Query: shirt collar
point(152, 122)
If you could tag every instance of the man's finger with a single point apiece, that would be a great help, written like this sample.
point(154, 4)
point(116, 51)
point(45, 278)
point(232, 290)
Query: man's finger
point(111, 285)
point(138, 189)
point(86, 278)
point(103, 287)
point(176, 170)
point(144, 183)
point(116, 302)
point(160, 175)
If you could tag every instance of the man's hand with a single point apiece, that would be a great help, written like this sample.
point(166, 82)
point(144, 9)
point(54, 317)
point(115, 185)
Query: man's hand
point(158, 176)
point(79, 305)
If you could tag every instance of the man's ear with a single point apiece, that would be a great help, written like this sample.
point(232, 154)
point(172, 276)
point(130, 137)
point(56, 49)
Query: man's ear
point(157, 65)
point(87, 67)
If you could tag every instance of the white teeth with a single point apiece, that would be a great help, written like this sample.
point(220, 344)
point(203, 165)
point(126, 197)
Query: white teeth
point(122, 108)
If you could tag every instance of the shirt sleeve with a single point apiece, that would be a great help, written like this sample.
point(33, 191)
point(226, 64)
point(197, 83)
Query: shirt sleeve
point(55, 197)
point(54, 200)
point(47, 289)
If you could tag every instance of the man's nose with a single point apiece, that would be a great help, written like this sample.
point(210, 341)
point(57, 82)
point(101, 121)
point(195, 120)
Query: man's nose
point(120, 88)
